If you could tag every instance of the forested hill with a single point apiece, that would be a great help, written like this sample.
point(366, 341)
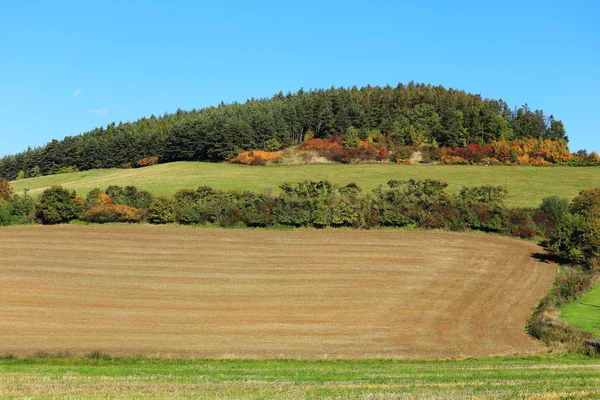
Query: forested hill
point(410, 113)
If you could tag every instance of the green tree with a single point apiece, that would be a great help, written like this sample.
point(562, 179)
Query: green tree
point(556, 130)
point(58, 205)
point(576, 237)
point(162, 210)
point(587, 203)
point(554, 208)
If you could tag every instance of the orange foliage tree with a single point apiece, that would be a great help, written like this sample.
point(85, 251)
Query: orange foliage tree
point(5, 189)
point(256, 157)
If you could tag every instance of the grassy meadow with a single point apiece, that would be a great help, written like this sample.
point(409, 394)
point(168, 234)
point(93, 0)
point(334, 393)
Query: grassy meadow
point(585, 311)
point(527, 186)
point(543, 376)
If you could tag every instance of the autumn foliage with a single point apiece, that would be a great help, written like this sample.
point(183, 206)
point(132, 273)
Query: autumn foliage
point(112, 213)
point(320, 144)
point(256, 157)
point(5, 189)
point(533, 152)
point(344, 150)
point(101, 209)
point(146, 162)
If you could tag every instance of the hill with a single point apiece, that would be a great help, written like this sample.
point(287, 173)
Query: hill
point(399, 116)
point(527, 186)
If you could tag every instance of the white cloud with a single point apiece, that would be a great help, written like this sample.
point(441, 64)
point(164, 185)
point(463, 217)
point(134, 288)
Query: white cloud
point(98, 111)
point(77, 92)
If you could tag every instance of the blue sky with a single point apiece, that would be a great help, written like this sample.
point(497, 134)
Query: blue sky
point(67, 67)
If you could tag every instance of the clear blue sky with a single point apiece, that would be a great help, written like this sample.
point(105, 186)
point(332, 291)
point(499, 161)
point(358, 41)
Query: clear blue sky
point(67, 67)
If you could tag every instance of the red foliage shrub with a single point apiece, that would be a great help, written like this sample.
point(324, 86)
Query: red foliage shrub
point(255, 157)
point(320, 144)
point(343, 155)
point(382, 154)
point(352, 154)
point(146, 162)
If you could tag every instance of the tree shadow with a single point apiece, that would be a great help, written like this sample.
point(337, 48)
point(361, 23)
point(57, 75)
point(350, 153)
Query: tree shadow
point(546, 258)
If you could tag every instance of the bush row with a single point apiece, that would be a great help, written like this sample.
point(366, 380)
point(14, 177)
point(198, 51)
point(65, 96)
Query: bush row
point(409, 203)
point(351, 147)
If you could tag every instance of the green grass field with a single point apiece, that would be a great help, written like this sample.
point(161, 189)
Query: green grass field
point(585, 312)
point(527, 185)
point(545, 376)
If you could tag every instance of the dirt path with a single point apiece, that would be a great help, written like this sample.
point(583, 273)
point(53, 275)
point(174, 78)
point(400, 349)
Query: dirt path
point(166, 291)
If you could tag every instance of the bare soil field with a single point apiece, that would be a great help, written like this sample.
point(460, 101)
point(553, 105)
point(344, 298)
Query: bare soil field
point(216, 293)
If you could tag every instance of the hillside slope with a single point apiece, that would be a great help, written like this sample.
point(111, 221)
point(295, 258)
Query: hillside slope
point(527, 186)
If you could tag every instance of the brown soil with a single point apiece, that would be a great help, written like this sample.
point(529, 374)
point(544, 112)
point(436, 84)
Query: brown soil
point(216, 293)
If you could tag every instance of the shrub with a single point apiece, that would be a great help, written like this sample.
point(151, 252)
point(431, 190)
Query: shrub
point(68, 170)
point(189, 205)
point(58, 205)
point(482, 207)
point(146, 162)
point(190, 212)
point(593, 158)
point(256, 157)
point(162, 210)
point(5, 189)
point(112, 213)
point(130, 196)
point(454, 160)
point(415, 202)
point(587, 203)
point(342, 155)
point(272, 145)
point(576, 239)
point(254, 209)
point(91, 200)
point(22, 205)
point(320, 144)
point(6, 217)
point(554, 208)
point(258, 160)
point(519, 222)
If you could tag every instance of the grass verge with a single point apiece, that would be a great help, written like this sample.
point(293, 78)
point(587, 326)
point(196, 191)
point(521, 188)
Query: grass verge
point(549, 325)
point(542, 376)
point(585, 311)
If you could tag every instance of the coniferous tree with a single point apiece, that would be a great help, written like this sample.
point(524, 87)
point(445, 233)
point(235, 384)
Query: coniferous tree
point(406, 113)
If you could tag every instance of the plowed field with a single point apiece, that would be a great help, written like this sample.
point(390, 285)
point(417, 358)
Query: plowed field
point(215, 293)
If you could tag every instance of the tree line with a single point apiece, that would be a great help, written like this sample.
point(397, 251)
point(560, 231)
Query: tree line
point(401, 203)
point(407, 114)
